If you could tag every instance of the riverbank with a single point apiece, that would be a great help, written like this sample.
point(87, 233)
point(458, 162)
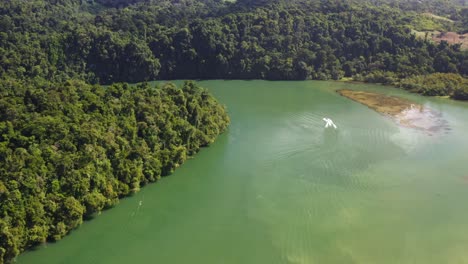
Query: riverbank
point(70, 150)
point(449, 85)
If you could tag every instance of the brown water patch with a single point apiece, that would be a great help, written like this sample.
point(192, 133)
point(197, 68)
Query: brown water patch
point(465, 179)
point(402, 111)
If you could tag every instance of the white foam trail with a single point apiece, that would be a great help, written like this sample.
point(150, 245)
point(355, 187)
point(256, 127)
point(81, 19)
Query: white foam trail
point(329, 123)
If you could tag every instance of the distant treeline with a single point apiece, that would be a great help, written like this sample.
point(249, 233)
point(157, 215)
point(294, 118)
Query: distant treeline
point(209, 39)
point(70, 150)
point(436, 84)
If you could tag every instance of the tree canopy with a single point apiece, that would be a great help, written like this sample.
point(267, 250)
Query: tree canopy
point(209, 39)
point(69, 150)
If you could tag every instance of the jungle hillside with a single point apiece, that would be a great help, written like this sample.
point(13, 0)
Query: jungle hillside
point(75, 136)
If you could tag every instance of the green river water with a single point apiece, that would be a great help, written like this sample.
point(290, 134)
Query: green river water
point(278, 187)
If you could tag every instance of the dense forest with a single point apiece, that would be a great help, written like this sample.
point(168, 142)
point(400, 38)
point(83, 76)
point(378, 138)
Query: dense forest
point(208, 39)
point(70, 147)
point(70, 150)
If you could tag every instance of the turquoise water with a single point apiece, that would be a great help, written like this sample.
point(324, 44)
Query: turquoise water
point(278, 187)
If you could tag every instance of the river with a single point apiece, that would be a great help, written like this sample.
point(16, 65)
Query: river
point(278, 187)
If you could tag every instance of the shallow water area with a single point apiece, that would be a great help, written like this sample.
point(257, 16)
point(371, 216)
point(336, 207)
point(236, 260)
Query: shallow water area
point(279, 187)
point(404, 112)
point(424, 119)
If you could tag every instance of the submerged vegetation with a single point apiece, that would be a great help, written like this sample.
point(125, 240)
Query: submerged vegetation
point(402, 111)
point(69, 150)
point(387, 105)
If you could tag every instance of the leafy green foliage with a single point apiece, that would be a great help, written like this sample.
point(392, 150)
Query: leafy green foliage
point(70, 150)
point(464, 20)
point(440, 84)
point(211, 39)
point(461, 93)
point(425, 22)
